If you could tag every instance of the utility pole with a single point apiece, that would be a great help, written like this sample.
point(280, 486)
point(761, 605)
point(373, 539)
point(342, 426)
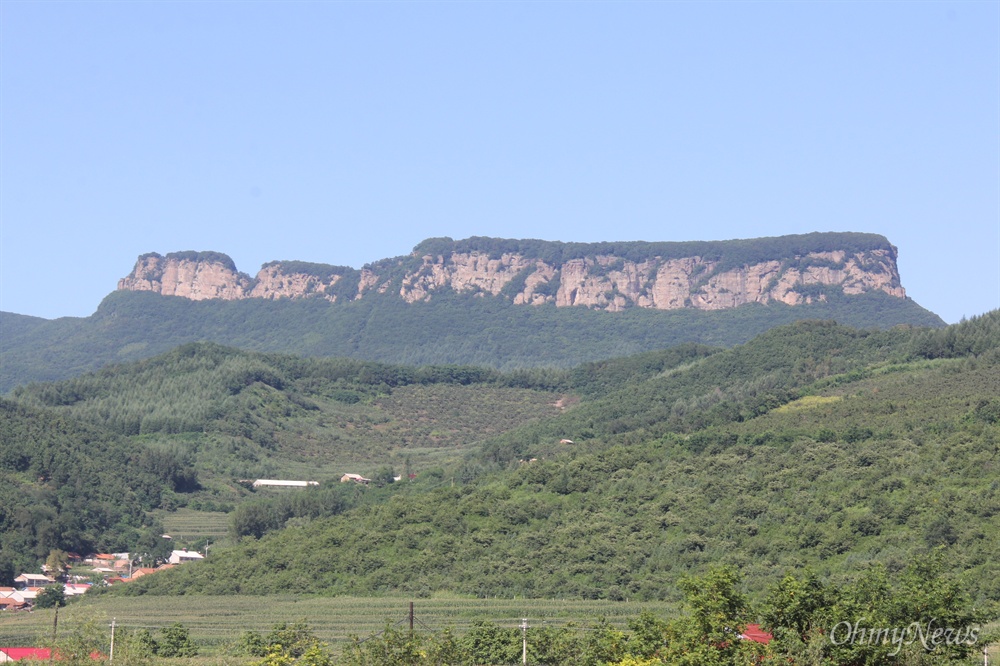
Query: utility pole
point(55, 626)
point(111, 654)
point(411, 618)
point(524, 641)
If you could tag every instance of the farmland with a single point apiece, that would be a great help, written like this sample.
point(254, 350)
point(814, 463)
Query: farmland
point(216, 622)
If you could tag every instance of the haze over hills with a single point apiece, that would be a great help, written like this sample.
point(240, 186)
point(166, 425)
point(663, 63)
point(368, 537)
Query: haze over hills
point(495, 302)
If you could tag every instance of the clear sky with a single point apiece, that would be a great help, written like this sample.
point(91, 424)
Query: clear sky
point(346, 132)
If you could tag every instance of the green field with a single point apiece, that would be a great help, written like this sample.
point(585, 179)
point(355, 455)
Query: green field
point(188, 525)
point(215, 622)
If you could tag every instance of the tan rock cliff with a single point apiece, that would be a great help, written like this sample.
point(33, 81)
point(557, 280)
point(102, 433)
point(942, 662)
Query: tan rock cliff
point(601, 281)
point(197, 280)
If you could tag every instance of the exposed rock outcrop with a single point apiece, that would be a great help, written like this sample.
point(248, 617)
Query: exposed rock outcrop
point(593, 279)
point(197, 276)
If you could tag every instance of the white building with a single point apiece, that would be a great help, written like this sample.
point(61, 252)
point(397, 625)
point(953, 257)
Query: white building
point(283, 484)
point(181, 556)
point(33, 580)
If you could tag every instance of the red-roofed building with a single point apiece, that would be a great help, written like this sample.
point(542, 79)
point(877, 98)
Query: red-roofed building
point(754, 633)
point(75, 589)
point(35, 654)
point(140, 572)
point(19, 653)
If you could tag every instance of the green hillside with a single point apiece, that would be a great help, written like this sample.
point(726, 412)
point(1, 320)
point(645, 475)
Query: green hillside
point(451, 329)
point(246, 415)
point(71, 486)
point(812, 446)
point(813, 471)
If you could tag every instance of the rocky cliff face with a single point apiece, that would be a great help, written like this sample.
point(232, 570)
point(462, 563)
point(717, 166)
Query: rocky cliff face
point(197, 278)
point(598, 280)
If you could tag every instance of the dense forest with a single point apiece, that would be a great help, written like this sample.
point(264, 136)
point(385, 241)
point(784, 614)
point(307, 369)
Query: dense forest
point(731, 253)
point(71, 486)
point(451, 329)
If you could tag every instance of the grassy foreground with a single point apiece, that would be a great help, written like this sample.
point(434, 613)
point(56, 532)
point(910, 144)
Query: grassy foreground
point(215, 622)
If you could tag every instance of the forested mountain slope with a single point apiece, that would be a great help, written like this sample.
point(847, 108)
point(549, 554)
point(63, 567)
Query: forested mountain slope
point(452, 329)
point(239, 414)
point(822, 447)
point(76, 487)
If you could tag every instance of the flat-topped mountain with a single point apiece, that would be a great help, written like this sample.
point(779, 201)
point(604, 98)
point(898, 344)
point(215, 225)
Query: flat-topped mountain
point(705, 275)
point(481, 301)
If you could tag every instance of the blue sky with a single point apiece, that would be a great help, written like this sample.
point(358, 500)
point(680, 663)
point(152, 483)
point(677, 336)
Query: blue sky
point(345, 132)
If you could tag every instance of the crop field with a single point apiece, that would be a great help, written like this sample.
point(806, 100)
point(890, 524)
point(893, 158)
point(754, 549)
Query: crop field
point(189, 525)
point(216, 622)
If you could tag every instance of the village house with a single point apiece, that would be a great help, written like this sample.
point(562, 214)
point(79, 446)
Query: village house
point(356, 478)
point(75, 589)
point(27, 580)
point(10, 603)
point(140, 572)
point(182, 556)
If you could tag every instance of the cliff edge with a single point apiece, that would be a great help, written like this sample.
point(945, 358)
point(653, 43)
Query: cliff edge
point(705, 275)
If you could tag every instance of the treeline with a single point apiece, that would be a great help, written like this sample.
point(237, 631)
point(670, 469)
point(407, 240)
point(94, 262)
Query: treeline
point(730, 253)
point(873, 617)
point(805, 617)
point(727, 386)
point(198, 384)
point(451, 329)
point(196, 256)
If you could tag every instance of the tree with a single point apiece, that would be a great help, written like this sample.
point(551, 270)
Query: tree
point(710, 634)
point(796, 604)
point(134, 647)
point(294, 640)
point(52, 596)
point(489, 643)
point(647, 637)
point(152, 548)
point(251, 644)
point(391, 647)
point(86, 639)
point(383, 477)
point(176, 642)
point(57, 563)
